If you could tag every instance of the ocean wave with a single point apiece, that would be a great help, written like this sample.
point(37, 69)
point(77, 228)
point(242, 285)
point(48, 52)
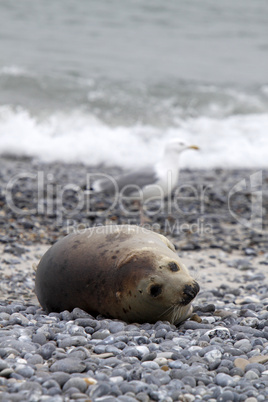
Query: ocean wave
point(14, 71)
point(234, 141)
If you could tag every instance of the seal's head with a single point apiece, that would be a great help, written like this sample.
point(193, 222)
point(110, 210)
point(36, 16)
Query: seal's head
point(164, 290)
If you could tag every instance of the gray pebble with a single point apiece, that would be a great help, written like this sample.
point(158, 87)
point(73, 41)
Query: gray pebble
point(189, 381)
point(244, 345)
point(99, 390)
point(21, 347)
point(3, 365)
point(53, 392)
point(71, 391)
point(76, 382)
point(51, 383)
point(213, 355)
point(61, 377)
point(251, 375)
point(150, 365)
point(101, 334)
point(39, 338)
point(223, 380)
point(24, 370)
point(72, 341)
point(116, 326)
point(255, 366)
point(68, 365)
point(47, 350)
point(226, 396)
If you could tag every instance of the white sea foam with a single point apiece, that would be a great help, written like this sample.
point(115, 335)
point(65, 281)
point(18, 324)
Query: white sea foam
point(235, 141)
point(14, 70)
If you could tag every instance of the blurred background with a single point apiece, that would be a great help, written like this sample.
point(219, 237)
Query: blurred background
point(108, 82)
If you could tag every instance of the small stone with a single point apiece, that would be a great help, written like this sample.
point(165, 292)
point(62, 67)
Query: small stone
point(195, 317)
point(104, 355)
point(196, 325)
point(20, 346)
point(243, 345)
point(251, 375)
point(250, 251)
point(99, 390)
point(3, 365)
point(150, 365)
point(259, 359)
point(259, 368)
point(116, 326)
point(18, 318)
point(226, 396)
point(189, 381)
point(101, 334)
point(24, 370)
point(39, 338)
point(241, 363)
point(187, 398)
point(161, 361)
point(72, 341)
point(219, 332)
point(165, 368)
point(61, 377)
point(213, 355)
point(6, 372)
point(79, 313)
point(71, 391)
point(116, 379)
point(90, 380)
point(149, 356)
point(68, 365)
point(76, 382)
point(51, 383)
point(47, 350)
point(224, 380)
point(142, 397)
point(143, 351)
point(161, 333)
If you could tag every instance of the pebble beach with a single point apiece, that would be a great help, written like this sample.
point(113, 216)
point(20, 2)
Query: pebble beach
point(91, 90)
point(221, 354)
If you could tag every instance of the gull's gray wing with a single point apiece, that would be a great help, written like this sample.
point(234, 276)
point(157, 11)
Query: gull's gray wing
point(139, 178)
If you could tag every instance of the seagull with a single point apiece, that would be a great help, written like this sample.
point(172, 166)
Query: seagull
point(149, 182)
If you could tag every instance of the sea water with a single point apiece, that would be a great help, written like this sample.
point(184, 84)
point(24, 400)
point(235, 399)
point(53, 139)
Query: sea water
point(109, 82)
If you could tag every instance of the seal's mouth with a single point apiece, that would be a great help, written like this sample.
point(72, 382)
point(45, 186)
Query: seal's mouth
point(182, 309)
point(189, 293)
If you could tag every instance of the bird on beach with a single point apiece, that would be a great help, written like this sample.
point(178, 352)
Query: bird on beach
point(150, 182)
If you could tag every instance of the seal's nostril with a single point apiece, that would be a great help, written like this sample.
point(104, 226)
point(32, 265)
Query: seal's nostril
point(190, 291)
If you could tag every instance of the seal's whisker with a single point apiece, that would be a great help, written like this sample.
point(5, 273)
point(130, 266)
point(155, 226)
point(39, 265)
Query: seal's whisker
point(169, 309)
point(166, 311)
point(176, 312)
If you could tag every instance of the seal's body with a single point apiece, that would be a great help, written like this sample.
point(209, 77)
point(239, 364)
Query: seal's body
point(125, 272)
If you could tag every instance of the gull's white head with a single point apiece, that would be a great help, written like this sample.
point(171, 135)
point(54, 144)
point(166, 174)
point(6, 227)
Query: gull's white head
point(176, 146)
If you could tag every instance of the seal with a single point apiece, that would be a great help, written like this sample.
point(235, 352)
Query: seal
point(125, 272)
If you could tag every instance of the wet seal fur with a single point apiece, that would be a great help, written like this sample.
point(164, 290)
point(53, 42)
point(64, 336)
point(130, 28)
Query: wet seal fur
point(125, 272)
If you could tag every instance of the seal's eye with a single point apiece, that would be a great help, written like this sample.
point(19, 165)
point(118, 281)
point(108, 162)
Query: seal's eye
point(155, 290)
point(173, 267)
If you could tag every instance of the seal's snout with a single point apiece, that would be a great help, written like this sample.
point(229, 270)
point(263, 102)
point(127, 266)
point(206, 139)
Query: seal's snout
point(189, 292)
